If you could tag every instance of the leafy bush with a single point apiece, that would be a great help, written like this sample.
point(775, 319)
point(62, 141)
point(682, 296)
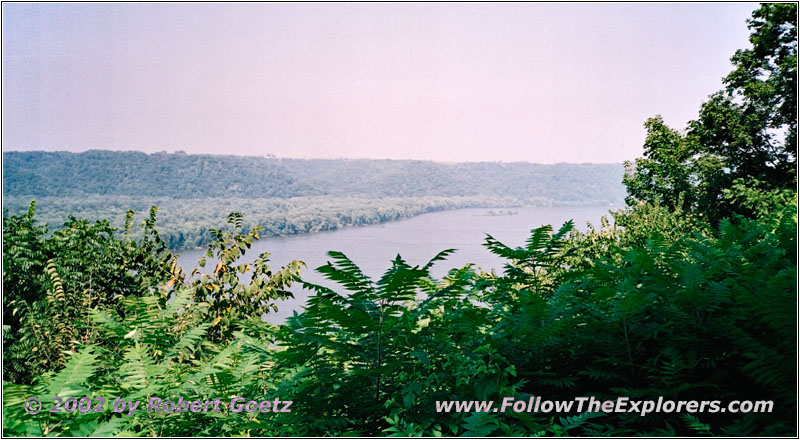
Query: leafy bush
point(635, 311)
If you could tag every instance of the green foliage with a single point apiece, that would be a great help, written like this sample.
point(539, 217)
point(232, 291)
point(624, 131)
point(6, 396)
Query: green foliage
point(535, 266)
point(230, 299)
point(665, 173)
point(148, 349)
point(688, 294)
point(747, 131)
point(766, 75)
point(51, 282)
point(657, 307)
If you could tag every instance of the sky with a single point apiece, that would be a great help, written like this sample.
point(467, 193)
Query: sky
point(545, 82)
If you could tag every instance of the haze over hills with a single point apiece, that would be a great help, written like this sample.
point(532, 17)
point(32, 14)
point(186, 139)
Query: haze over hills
point(177, 175)
point(285, 196)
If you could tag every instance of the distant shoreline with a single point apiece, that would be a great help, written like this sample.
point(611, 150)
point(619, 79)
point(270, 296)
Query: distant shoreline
point(609, 207)
point(187, 221)
point(195, 193)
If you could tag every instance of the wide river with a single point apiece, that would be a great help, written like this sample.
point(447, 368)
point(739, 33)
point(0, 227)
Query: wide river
point(416, 239)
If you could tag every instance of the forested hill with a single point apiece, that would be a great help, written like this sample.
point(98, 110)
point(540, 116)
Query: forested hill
point(194, 193)
point(118, 173)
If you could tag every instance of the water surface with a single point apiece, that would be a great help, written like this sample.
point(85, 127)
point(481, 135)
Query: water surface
point(416, 239)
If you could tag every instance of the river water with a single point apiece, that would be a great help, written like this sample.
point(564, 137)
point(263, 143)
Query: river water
point(416, 239)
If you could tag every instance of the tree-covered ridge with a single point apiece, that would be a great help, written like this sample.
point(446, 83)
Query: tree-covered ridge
point(194, 193)
point(120, 173)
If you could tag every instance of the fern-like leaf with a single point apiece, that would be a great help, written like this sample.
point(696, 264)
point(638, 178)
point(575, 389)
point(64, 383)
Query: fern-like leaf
point(69, 381)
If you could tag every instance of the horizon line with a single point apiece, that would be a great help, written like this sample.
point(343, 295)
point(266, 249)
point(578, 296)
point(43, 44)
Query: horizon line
point(273, 156)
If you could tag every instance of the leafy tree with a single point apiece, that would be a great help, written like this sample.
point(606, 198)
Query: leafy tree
point(24, 261)
point(748, 130)
point(766, 78)
point(50, 283)
point(229, 299)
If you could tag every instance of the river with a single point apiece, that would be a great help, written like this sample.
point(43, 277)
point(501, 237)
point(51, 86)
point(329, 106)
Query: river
point(416, 239)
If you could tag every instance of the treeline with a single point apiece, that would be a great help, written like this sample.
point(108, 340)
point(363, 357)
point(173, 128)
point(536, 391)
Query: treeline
point(283, 196)
point(180, 176)
point(185, 223)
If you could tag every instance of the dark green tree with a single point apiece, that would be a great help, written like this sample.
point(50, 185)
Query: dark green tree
point(746, 131)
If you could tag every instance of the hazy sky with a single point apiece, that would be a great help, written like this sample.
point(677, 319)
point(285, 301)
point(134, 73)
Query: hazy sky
point(450, 82)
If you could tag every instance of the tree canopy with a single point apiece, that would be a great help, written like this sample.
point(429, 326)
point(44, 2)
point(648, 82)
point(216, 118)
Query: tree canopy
point(745, 133)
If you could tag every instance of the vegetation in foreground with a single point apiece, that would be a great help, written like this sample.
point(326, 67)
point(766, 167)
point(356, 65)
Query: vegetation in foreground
point(690, 294)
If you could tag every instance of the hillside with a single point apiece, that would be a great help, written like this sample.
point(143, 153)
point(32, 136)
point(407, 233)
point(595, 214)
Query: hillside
point(284, 196)
point(100, 172)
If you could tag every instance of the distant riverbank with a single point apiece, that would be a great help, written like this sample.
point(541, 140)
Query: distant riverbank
point(416, 239)
point(184, 223)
